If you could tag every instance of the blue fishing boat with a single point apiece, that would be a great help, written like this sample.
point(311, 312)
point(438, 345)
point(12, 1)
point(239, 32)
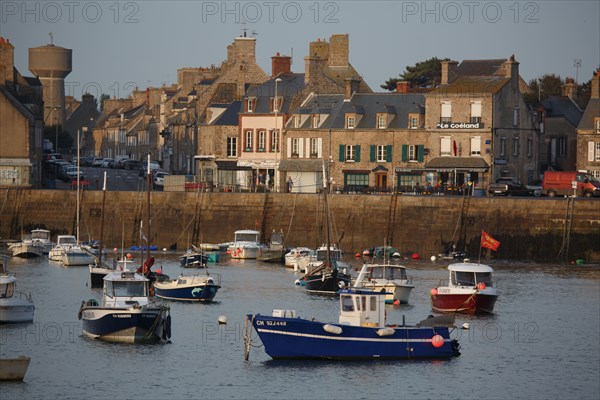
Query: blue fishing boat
point(361, 333)
point(194, 288)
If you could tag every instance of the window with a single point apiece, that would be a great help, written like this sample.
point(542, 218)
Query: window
point(516, 116)
point(347, 304)
point(295, 147)
point(262, 140)
point(274, 140)
point(445, 143)
point(276, 107)
point(249, 140)
point(381, 121)
point(515, 146)
point(529, 147)
point(314, 147)
point(381, 153)
point(296, 123)
point(414, 122)
point(446, 115)
point(231, 147)
point(475, 112)
point(562, 146)
point(373, 303)
point(350, 122)
point(315, 121)
point(350, 152)
point(476, 146)
point(412, 152)
point(597, 124)
point(356, 179)
point(502, 146)
point(250, 104)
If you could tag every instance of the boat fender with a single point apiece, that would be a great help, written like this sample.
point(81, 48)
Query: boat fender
point(481, 286)
point(437, 341)
point(80, 309)
point(385, 331)
point(167, 328)
point(332, 329)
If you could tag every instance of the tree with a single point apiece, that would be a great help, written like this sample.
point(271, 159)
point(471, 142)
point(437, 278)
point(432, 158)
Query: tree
point(543, 87)
point(103, 97)
point(423, 74)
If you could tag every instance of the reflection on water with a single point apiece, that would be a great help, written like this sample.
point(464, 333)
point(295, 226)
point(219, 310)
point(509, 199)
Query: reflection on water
point(542, 341)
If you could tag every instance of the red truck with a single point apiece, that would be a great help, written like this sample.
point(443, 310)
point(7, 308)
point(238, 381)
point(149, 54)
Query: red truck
point(560, 183)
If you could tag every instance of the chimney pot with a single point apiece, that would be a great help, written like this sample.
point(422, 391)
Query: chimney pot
point(402, 87)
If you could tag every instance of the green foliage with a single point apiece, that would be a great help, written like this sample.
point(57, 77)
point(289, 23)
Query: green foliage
point(423, 74)
point(551, 85)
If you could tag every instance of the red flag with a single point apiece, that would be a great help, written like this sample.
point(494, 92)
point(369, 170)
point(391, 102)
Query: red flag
point(489, 242)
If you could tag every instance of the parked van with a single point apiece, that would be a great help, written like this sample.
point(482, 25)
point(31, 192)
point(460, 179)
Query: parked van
point(559, 183)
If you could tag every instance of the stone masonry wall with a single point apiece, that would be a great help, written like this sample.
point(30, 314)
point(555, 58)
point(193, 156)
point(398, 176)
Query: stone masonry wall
point(528, 229)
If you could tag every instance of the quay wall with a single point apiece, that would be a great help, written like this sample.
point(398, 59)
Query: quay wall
point(538, 229)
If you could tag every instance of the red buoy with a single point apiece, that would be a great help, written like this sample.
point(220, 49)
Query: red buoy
point(416, 256)
point(437, 341)
point(433, 292)
point(481, 286)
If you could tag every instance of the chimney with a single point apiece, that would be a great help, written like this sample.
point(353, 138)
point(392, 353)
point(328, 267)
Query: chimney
point(338, 50)
point(569, 89)
point(448, 71)
point(280, 65)
point(595, 91)
point(351, 87)
point(7, 61)
point(511, 68)
point(402, 87)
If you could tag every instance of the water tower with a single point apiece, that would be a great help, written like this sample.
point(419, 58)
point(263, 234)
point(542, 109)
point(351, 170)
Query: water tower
point(51, 64)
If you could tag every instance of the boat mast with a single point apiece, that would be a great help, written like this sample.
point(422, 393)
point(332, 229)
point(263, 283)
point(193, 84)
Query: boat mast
point(102, 221)
point(78, 183)
point(148, 205)
point(326, 206)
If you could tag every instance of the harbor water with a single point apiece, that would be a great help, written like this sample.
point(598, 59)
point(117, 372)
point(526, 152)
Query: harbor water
point(542, 342)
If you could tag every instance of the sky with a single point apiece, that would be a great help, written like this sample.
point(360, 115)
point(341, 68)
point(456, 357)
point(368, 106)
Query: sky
point(120, 45)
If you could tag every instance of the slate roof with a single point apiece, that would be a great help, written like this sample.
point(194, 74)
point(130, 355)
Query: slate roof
point(230, 115)
point(481, 67)
point(290, 85)
point(562, 106)
point(472, 85)
point(591, 111)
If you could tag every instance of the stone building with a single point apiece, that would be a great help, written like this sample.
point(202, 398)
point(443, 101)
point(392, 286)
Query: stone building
point(21, 127)
point(82, 118)
point(479, 124)
point(588, 132)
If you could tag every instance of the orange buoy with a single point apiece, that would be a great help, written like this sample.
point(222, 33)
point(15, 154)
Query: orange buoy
point(129, 256)
point(357, 255)
point(228, 251)
point(433, 292)
point(437, 341)
point(481, 286)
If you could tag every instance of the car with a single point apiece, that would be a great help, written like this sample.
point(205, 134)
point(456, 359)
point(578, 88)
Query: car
point(158, 181)
point(536, 186)
point(108, 163)
point(132, 165)
point(70, 173)
point(97, 163)
point(509, 186)
point(153, 165)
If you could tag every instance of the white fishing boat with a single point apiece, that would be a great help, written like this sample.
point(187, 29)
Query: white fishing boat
point(15, 307)
point(387, 277)
point(126, 313)
point(25, 249)
point(63, 242)
point(77, 255)
point(299, 257)
point(245, 244)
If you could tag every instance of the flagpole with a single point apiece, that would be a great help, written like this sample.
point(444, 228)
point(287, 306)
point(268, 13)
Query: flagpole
point(479, 261)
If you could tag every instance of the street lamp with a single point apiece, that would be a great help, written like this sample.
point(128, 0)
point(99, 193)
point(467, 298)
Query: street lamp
point(276, 108)
point(56, 136)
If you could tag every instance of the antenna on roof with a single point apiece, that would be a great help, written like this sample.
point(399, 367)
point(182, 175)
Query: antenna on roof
point(244, 29)
point(51, 38)
point(577, 65)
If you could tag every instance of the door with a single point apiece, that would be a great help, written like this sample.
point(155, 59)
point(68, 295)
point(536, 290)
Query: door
point(381, 181)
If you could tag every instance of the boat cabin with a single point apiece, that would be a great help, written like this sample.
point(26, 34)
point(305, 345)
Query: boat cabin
point(66, 239)
point(247, 236)
point(388, 272)
point(7, 286)
point(362, 307)
point(40, 234)
point(125, 288)
point(469, 274)
point(335, 253)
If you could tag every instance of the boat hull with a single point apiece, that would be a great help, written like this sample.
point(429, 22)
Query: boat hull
point(126, 325)
point(190, 293)
point(243, 252)
point(193, 260)
point(394, 293)
point(73, 258)
point(16, 311)
point(327, 283)
point(295, 338)
point(13, 369)
point(24, 250)
point(465, 303)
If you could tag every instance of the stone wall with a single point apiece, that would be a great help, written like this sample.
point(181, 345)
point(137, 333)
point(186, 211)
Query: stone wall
point(528, 229)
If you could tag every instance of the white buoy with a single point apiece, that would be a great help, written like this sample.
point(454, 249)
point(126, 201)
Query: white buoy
point(297, 281)
point(433, 258)
point(164, 249)
point(222, 319)
point(465, 326)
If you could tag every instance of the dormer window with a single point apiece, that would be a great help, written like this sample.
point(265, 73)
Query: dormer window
point(381, 121)
point(597, 125)
point(315, 121)
point(350, 122)
point(276, 107)
point(250, 102)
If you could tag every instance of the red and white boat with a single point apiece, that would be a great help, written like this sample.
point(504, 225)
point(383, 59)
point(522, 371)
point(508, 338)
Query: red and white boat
point(469, 290)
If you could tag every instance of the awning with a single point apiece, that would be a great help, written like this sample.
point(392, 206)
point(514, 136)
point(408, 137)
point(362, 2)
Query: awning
point(461, 164)
point(228, 165)
point(301, 165)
